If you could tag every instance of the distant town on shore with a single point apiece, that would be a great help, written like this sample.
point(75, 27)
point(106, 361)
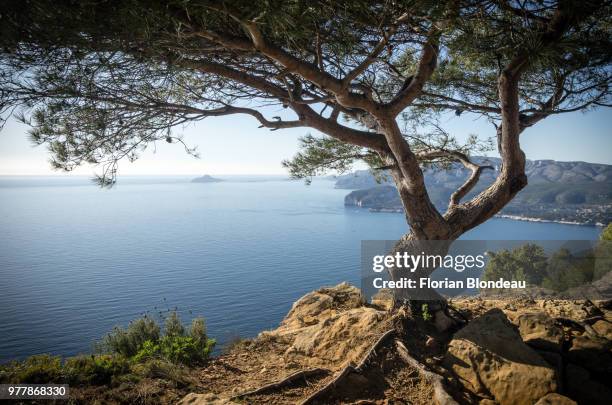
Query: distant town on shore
point(564, 192)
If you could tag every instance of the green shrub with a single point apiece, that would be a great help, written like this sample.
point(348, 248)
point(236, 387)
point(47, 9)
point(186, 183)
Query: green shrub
point(128, 342)
point(177, 349)
point(426, 315)
point(198, 331)
point(173, 325)
point(176, 346)
point(204, 345)
point(138, 347)
point(39, 369)
point(148, 350)
point(97, 370)
point(6, 371)
point(603, 253)
point(606, 234)
point(526, 262)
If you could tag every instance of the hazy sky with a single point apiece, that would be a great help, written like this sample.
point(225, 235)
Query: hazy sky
point(234, 145)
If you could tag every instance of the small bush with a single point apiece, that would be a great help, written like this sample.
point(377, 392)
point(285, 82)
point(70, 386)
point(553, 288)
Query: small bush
point(182, 349)
point(177, 349)
point(198, 331)
point(176, 345)
point(96, 370)
point(128, 342)
point(6, 371)
point(173, 325)
point(606, 234)
point(425, 313)
point(148, 350)
point(39, 369)
point(203, 344)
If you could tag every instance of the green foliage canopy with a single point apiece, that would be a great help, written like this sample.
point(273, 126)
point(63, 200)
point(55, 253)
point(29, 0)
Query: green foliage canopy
point(559, 271)
point(99, 81)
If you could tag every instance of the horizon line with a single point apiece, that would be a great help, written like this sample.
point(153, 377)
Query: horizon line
point(142, 175)
point(93, 174)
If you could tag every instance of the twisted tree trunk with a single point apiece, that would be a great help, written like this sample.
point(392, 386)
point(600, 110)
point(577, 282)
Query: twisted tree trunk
point(432, 233)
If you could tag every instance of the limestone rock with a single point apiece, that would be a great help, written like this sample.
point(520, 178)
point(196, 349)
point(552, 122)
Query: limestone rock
point(329, 327)
point(555, 399)
point(383, 299)
point(564, 309)
point(338, 338)
point(592, 352)
point(538, 330)
point(321, 303)
point(604, 328)
point(556, 362)
point(490, 359)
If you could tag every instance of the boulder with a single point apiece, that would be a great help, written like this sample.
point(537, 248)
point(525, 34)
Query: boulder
point(491, 361)
point(555, 399)
point(322, 303)
point(603, 328)
point(591, 352)
point(338, 339)
point(329, 327)
point(538, 330)
point(383, 299)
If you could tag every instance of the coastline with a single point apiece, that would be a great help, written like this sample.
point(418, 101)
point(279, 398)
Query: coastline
point(531, 219)
point(506, 216)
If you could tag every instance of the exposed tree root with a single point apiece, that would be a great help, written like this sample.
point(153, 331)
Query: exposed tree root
point(290, 379)
point(349, 369)
point(594, 319)
point(595, 310)
point(372, 352)
point(441, 396)
point(329, 386)
point(457, 316)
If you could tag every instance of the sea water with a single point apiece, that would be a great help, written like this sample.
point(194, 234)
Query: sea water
point(76, 260)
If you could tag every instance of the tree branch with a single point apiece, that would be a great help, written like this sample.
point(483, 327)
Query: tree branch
point(307, 70)
point(414, 85)
point(468, 185)
point(459, 103)
point(465, 161)
point(371, 57)
point(331, 127)
point(307, 115)
point(512, 176)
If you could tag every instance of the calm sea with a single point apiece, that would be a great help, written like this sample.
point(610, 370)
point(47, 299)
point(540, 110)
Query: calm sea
point(76, 260)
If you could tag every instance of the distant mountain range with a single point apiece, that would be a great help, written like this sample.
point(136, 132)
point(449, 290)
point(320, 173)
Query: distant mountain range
point(557, 191)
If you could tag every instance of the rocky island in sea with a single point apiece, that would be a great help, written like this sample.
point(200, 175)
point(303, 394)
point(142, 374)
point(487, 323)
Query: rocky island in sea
point(566, 192)
point(206, 179)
